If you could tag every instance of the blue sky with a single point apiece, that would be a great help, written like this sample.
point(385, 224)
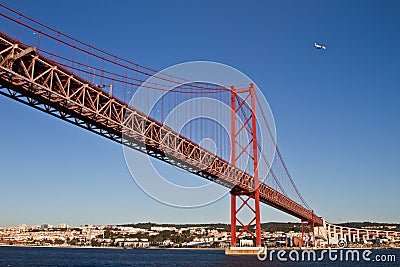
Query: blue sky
point(336, 111)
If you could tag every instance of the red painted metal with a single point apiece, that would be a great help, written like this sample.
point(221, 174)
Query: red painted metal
point(45, 85)
point(309, 226)
point(302, 233)
point(313, 227)
point(233, 162)
point(249, 126)
point(255, 161)
point(51, 86)
point(233, 220)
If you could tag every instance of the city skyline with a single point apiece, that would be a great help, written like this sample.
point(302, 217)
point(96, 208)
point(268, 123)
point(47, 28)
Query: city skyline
point(148, 235)
point(335, 110)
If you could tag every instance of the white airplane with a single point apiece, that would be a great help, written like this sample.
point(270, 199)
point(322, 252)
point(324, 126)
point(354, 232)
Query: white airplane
point(319, 46)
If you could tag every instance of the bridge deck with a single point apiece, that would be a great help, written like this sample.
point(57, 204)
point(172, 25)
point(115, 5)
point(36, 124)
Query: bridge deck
point(39, 82)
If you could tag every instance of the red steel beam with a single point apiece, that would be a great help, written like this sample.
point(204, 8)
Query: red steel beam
point(39, 82)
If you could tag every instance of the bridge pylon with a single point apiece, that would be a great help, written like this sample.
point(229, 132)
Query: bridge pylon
point(308, 226)
point(244, 123)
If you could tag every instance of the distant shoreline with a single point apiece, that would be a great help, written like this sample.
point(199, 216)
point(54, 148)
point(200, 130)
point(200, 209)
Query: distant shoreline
point(89, 247)
point(41, 246)
point(154, 248)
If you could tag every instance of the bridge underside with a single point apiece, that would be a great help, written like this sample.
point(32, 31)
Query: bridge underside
point(40, 83)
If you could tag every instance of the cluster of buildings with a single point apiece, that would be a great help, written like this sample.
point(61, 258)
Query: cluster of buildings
point(124, 236)
point(47, 234)
point(134, 237)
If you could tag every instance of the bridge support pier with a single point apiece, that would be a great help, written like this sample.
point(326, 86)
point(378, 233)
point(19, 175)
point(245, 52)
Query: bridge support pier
point(245, 196)
point(308, 227)
point(245, 125)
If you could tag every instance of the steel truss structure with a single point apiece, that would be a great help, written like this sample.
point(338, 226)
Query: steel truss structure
point(248, 126)
point(37, 81)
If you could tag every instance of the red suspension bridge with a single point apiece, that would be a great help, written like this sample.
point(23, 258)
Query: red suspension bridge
point(89, 87)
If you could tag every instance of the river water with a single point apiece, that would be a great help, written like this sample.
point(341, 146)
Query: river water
point(41, 256)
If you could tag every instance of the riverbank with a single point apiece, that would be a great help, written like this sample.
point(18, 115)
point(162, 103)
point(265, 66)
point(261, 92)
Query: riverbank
point(188, 248)
point(90, 247)
point(42, 246)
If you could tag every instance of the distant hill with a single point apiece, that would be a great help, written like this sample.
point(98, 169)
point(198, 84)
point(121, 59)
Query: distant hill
point(148, 225)
point(373, 226)
point(270, 226)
